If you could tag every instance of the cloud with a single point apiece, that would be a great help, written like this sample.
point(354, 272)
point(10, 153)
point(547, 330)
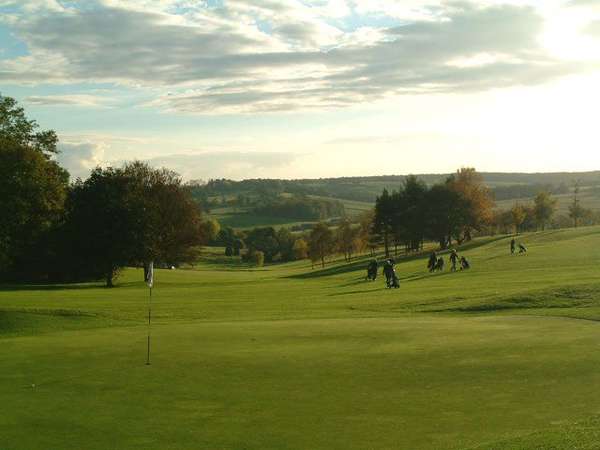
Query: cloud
point(264, 56)
point(593, 29)
point(80, 158)
point(67, 100)
point(583, 3)
point(227, 164)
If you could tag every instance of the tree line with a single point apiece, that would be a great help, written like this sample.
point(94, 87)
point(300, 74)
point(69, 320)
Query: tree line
point(269, 245)
point(54, 230)
point(443, 213)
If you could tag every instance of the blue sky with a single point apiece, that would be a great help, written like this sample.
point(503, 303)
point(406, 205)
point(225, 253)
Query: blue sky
point(309, 88)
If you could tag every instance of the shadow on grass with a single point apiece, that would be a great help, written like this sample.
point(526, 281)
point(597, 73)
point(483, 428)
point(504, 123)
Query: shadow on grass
point(68, 286)
point(572, 297)
point(57, 287)
point(341, 294)
point(49, 312)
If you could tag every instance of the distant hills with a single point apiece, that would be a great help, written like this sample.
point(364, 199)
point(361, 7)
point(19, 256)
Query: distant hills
point(238, 203)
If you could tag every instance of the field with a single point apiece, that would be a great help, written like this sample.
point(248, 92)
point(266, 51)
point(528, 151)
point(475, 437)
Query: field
point(588, 199)
point(244, 218)
point(504, 356)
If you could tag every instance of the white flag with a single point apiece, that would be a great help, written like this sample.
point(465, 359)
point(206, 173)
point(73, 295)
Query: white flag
point(150, 274)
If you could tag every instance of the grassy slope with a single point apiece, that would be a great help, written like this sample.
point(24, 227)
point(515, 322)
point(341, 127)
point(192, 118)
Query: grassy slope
point(286, 357)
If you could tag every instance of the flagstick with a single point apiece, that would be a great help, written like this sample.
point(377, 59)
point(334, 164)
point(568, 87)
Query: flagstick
point(149, 326)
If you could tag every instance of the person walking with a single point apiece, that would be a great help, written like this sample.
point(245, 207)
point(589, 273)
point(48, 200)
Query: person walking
point(433, 259)
point(391, 279)
point(513, 246)
point(454, 259)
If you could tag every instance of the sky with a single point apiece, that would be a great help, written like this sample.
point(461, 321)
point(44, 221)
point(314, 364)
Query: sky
point(309, 88)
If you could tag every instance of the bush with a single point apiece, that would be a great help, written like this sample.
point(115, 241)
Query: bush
point(258, 258)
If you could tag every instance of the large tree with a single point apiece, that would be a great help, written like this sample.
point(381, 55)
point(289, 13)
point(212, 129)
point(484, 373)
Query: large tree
point(478, 200)
point(170, 219)
point(130, 215)
point(383, 222)
point(444, 217)
point(104, 226)
point(15, 126)
point(409, 210)
point(32, 192)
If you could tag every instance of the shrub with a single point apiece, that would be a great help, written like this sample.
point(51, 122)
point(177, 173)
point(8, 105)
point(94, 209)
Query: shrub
point(259, 258)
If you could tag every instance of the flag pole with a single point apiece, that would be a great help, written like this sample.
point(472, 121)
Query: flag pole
point(150, 282)
point(149, 326)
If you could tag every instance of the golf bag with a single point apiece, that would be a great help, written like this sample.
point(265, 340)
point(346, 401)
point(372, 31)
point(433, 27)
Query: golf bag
point(372, 272)
point(439, 267)
point(464, 264)
point(393, 281)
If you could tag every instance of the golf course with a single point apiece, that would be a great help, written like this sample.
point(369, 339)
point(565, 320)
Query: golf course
point(503, 356)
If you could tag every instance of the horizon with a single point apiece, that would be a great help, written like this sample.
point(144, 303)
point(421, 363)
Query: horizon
point(309, 89)
point(440, 174)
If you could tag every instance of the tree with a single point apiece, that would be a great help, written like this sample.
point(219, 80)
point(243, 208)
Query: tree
point(128, 216)
point(545, 207)
point(238, 245)
point(171, 220)
point(345, 238)
point(226, 237)
point(322, 243)
point(503, 222)
point(264, 240)
point(530, 222)
point(477, 200)
point(408, 213)
point(285, 242)
point(519, 215)
point(16, 127)
point(258, 258)
point(576, 211)
point(383, 223)
point(300, 249)
point(444, 217)
point(211, 229)
point(33, 189)
point(103, 226)
point(367, 235)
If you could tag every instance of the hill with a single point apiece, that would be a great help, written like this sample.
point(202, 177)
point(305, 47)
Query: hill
point(500, 357)
point(228, 200)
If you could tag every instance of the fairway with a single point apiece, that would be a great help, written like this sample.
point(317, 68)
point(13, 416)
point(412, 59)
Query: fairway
point(504, 356)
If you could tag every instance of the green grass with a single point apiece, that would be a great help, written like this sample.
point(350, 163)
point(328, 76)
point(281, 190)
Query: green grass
point(245, 218)
point(505, 356)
